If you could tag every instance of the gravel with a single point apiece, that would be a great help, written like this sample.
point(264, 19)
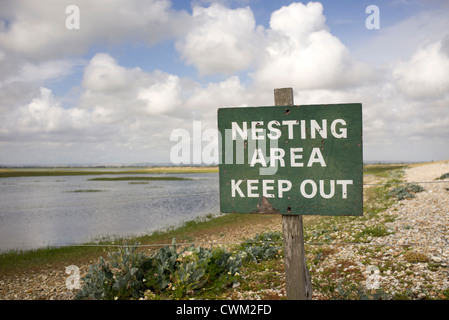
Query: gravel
point(412, 260)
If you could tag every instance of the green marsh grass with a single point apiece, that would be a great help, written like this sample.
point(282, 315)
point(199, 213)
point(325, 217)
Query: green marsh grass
point(86, 190)
point(137, 178)
point(17, 261)
point(40, 172)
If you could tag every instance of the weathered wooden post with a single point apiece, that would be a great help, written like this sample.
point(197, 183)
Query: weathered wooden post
point(297, 277)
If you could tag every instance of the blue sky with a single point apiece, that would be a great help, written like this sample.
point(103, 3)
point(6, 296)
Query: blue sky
point(115, 90)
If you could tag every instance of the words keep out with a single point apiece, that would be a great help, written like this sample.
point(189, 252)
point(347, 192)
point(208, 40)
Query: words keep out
point(271, 188)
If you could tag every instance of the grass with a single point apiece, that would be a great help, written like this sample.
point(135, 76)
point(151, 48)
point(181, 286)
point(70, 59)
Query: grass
point(137, 178)
point(23, 261)
point(382, 169)
point(81, 171)
point(86, 190)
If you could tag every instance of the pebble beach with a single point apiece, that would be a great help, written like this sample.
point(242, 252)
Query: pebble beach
point(412, 260)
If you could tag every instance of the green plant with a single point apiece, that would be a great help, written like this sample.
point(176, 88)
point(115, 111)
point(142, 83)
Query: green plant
point(405, 192)
point(358, 292)
point(375, 231)
point(120, 278)
point(262, 246)
point(171, 272)
point(443, 176)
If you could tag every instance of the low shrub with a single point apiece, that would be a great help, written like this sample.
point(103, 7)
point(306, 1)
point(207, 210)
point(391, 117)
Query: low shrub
point(405, 192)
point(172, 272)
point(444, 176)
point(262, 246)
point(178, 273)
point(414, 257)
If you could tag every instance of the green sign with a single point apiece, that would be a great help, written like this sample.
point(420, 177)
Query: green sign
point(304, 160)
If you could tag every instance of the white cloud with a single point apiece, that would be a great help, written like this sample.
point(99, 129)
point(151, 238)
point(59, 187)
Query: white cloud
point(401, 39)
point(303, 54)
point(297, 50)
point(103, 74)
point(123, 91)
point(297, 21)
point(54, 69)
point(162, 97)
point(37, 30)
point(220, 40)
point(425, 74)
point(44, 119)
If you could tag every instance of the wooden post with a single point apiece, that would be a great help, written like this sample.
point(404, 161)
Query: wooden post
point(297, 277)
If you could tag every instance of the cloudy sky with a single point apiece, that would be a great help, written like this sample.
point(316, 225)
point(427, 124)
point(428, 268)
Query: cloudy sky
point(116, 88)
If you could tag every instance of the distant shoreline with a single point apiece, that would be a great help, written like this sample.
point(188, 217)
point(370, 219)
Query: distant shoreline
point(84, 171)
point(10, 172)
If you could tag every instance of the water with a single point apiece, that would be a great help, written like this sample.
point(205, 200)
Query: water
point(45, 211)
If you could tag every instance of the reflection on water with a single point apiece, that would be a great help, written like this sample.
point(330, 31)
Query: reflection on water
point(44, 211)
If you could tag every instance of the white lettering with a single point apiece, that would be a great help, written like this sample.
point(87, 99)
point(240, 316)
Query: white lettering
point(314, 127)
point(331, 192)
point(242, 132)
point(343, 131)
point(277, 131)
point(204, 311)
point(303, 129)
point(258, 157)
point(235, 187)
point(316, 156)
point(274, 132)
point(294, 156)
point(255, 130)
point(308, 188)
point(344, 190)
point(290, 124)
point(303, 189)
point(282, 189)
point(266, 188)
point(277, 154)
point(250, 188)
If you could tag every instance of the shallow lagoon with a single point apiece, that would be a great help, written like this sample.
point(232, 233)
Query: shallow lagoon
point(62, 210)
